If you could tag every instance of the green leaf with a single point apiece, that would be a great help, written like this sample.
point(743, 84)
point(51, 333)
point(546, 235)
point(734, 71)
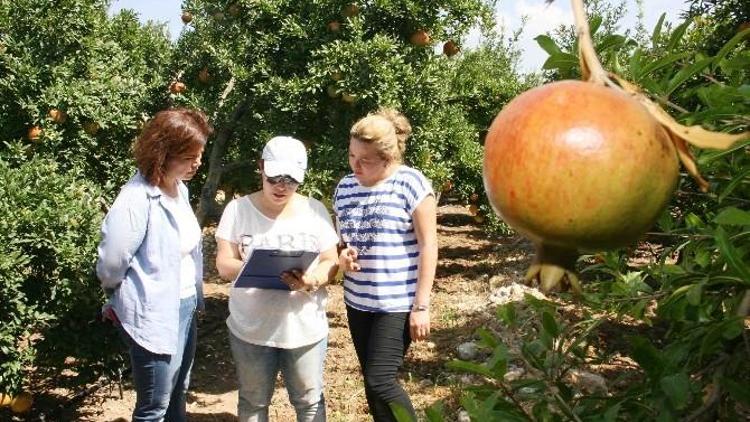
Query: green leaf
point(564, 62)
point(507, 314)
point(470, 367)
point(400, 412)
point(647, 356)
point(550, 325)
point(610, 41)
point(548, 45)
point(733, 217)
point(735, 64)
point(728, 329)
point(594, 23)
point(677, 388)
point(714, 155)
point(732, 328)
point(635, 63)
point(693, 221)
point(731, 255)
point(673, 269)
point(686, 73)
point(487, 338)
point(731, 44)
point(541, 412)
point(739, 392)
point(732, 185)
point(694, 294)
point(657, 31)
point(498, 362)
point(677, 35)
point(611, 414)
point(660, 63)
point(435, 412)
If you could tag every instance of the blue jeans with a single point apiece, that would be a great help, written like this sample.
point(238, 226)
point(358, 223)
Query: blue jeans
point(161, 381)
point(302, 369)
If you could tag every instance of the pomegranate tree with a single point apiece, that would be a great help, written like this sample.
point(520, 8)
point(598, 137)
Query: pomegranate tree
point(585, 165)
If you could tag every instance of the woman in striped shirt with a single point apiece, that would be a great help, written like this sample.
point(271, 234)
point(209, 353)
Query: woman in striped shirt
point(386, 219)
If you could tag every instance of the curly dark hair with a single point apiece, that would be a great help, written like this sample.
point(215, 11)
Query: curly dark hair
point(171, 133)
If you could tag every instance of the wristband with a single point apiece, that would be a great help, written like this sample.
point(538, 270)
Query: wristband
point(420, 308)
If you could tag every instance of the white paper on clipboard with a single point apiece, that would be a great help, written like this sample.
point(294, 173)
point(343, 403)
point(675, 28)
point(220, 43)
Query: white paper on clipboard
point(263, 268)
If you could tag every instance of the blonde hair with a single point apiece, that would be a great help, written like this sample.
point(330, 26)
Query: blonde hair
point(387, 129)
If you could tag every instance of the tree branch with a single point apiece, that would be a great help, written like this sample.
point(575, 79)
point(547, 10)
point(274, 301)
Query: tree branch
point(236, 165)
point(207, 206)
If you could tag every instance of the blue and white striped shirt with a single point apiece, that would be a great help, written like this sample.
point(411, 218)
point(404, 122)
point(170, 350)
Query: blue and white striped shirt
point(377, 222)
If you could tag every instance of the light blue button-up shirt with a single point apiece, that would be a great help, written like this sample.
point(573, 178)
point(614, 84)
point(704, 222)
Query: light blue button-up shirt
point(139, 259)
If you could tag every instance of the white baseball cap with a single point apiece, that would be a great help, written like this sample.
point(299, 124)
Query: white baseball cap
point(284, 155)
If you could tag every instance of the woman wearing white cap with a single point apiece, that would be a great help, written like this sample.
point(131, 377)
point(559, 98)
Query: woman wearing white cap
point(275, 330)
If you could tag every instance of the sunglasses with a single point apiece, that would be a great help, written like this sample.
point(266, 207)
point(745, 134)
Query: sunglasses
point(285, 179)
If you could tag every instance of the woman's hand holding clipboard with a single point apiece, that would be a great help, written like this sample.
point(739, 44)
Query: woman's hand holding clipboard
point(264, 269)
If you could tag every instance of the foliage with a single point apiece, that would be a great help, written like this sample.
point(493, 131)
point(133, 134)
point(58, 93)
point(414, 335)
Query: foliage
point(84, 82)
point(311, 69)
point(103, 75)
point(718, 21)
point(687, 308)
point(48, 295)
point(562, 43)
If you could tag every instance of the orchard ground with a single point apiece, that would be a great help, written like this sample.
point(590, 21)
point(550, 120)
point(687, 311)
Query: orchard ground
point(475, 273)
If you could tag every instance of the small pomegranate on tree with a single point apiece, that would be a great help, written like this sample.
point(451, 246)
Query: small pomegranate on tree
point(332, 91)
point(22, 403)
point(334, 26)
point(450, 48)
point(350, 11)
point(420, 38)
point(586, 165)
point(34, 133)
point(91, 127)
point(234, 9)
point(204, 76)
point(58, 116)
point(186, 17)
point(177, 87)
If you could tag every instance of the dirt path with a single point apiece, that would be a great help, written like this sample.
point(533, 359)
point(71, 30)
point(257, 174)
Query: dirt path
point(470, 266)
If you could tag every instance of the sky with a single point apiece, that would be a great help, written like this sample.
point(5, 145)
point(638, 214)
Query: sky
point(541, 18)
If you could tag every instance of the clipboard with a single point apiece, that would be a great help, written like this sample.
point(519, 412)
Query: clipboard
point(263, 268)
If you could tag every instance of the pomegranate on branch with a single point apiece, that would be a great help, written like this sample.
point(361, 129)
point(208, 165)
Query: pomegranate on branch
point(586, 165)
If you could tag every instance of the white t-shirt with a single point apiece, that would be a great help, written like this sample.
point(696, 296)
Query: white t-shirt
point(190, 235)
point(277, 318)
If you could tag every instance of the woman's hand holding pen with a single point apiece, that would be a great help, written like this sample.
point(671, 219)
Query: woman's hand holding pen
point(348, 259)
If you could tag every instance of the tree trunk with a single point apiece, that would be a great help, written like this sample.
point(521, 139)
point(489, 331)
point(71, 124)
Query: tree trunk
point(208, 209)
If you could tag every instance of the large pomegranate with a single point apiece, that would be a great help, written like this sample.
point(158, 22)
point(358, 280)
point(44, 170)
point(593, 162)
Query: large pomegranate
point(577, 166)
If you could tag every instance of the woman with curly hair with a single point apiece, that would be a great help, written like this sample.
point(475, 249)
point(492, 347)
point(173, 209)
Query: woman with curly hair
point(151, 266)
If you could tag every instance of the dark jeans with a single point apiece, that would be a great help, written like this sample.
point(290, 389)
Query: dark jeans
point(161, 381)
point(381, 341)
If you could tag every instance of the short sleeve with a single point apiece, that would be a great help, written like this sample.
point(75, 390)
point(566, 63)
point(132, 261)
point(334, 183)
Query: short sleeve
point(418, 187)
point(227, 229)
point(327, 234)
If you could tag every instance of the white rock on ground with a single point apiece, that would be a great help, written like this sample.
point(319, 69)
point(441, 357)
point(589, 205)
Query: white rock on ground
point(513, 373)
point(514, 293)
point(588, 382)
point(467, 351)
point(463, 416)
